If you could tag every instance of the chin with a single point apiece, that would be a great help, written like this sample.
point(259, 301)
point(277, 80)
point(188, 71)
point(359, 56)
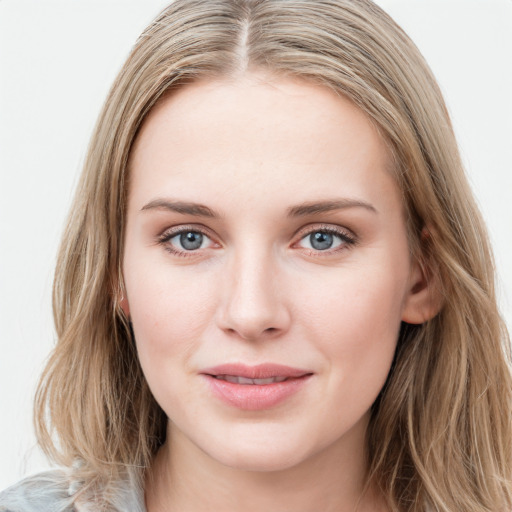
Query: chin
point(264, 455)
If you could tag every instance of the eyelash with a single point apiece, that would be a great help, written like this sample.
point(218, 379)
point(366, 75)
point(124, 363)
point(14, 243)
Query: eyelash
point(347, 238)
point(169, 234)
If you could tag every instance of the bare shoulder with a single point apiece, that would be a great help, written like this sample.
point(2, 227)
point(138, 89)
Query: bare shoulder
point(43, 492)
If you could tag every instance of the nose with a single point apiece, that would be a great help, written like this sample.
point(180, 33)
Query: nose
point(253, 300)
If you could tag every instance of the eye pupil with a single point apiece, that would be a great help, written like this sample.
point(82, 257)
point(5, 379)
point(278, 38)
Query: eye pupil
point(191, 240)
point(320, 240)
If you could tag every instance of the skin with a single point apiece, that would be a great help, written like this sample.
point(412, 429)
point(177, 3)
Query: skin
point(253, 150)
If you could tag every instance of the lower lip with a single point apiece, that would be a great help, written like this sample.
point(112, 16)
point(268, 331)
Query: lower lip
point(253, 397)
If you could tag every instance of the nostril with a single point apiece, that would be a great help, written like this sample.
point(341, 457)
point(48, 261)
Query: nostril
point(253, 334)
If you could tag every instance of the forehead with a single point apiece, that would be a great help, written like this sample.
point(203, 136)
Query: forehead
point(258, 135)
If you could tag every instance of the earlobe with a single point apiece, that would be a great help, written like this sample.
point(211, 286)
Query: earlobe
point(424, 298)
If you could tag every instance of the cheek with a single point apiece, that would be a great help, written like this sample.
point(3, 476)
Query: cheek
point(169, 310)
point(170, 314)
point(356, 324)
point(356, 302)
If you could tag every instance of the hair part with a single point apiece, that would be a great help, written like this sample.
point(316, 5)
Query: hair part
point(440, 432)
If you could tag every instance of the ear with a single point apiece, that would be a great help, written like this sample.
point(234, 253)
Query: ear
point(123, 303)
point(121, 299)
point(424, 298)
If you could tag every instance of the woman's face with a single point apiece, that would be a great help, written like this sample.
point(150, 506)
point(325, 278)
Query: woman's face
point(265, 240)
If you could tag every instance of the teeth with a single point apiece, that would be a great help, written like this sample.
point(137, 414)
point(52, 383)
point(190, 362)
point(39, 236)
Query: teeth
point(235, 379)
point(244, 380)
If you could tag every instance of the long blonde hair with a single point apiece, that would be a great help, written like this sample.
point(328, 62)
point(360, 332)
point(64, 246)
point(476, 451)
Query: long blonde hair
point(440, 433)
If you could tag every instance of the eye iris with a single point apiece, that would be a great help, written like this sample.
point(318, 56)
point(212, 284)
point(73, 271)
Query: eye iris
point(321, 240)
point(191, 240)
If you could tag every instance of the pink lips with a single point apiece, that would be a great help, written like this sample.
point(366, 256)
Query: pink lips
point(255, 387)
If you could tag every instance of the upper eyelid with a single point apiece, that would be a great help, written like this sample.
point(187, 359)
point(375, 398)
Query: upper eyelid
point(304, 229)
point(332, 228)
point(176, 230)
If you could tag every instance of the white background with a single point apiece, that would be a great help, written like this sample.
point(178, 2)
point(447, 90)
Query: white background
point(57, 61)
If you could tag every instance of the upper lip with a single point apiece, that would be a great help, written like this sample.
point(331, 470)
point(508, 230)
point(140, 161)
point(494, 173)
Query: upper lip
point(260, 371)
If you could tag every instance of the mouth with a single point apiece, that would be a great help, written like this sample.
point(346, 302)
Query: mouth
point(255, 387)
point(259, 374)
point(236, 379)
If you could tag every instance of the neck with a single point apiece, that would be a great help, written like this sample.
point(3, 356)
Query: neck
point(184, 478)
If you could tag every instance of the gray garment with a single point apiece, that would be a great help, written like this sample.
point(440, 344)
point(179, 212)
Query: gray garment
point(44, 492)
point(55, 491)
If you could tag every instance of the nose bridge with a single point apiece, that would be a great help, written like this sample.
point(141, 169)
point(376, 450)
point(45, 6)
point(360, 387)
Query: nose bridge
point(253, 303)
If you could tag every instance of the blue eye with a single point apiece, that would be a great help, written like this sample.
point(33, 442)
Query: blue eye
point(188, 241)
point(191, 240)
point(324, 240)
point(321, 241)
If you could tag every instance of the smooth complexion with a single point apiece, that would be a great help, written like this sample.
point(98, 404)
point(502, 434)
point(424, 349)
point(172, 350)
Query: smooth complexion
point(264, 226)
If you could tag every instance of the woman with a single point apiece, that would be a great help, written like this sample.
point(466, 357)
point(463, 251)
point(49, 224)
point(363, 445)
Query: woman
point(275, 290)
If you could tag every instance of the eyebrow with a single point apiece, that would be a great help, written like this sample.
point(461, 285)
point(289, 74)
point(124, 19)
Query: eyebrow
point(328, 206)
point(186, 208)
point(301, 210)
